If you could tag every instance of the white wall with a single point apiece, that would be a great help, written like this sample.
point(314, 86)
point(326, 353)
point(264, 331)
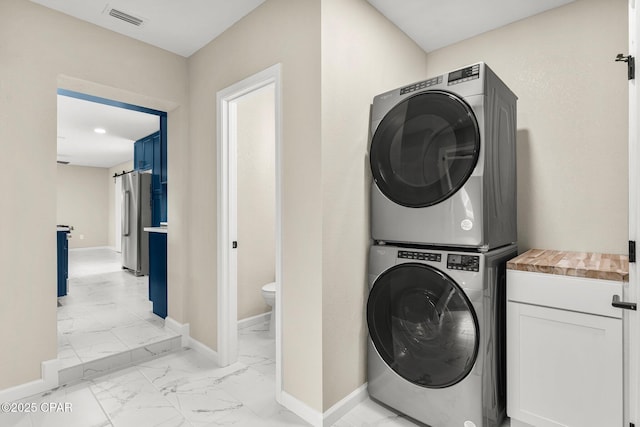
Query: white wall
point(82, 202)
point(126, 167)
point(256, 199)
point(572, 121)
point(363, 54)
point(40, 51)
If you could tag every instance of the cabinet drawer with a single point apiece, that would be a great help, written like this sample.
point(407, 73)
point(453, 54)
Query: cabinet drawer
point(564, 292)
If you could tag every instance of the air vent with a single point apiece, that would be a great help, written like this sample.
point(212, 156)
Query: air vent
point(62, 162)
point(125, 17)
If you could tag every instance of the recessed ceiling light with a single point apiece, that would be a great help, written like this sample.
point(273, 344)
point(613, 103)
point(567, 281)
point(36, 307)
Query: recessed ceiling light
point(99, 130)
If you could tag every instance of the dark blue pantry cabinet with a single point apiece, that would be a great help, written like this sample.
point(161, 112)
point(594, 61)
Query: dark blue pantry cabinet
point(63, 261)
point(150, 153)
point(158, 272)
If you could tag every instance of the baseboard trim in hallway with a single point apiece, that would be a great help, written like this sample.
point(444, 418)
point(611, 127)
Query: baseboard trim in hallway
point(48, 381)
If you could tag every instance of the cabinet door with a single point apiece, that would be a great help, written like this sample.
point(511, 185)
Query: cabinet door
point(138, 155)
point(63, 262)
point(564, 368)
point(158, 273)
point(163, 149)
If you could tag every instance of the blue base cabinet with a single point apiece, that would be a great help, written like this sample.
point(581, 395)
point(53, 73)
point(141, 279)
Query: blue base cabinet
point(158, 272)
point(63, 262)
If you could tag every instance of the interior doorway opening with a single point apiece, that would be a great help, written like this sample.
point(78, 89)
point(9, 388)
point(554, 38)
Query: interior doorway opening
point(238, 112)
point(105, 310)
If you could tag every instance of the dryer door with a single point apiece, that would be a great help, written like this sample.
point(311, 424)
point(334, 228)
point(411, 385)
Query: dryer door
point(423, 325)
point(425, 149)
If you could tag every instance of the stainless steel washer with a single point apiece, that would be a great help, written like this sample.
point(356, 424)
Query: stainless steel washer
point(436, 324)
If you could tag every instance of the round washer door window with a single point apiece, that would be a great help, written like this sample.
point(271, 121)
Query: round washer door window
point(423, 325)
point(425, 149)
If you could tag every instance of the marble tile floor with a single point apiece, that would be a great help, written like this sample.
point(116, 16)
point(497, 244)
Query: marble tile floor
point(186, 389)
point(106, 320)
point(181, 389)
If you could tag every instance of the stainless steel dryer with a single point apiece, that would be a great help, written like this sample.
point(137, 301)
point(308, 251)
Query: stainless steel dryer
point(443, 160)
point(436, 324)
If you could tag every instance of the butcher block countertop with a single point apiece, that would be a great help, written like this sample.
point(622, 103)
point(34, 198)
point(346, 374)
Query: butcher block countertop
point(578, 264)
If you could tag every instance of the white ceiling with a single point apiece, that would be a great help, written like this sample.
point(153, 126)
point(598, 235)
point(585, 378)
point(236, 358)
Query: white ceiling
point(181, 27)
point(185, 26)
point(433, 24)
point(79, 145)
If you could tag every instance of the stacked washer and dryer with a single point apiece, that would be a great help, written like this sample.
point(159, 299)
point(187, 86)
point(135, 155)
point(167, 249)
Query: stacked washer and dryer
point(443, 221)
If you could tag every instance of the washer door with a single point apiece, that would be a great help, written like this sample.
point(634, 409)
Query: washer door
point(425, 149)
point(423, 325)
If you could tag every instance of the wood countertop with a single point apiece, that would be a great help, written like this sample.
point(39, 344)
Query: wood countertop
point(579, 264)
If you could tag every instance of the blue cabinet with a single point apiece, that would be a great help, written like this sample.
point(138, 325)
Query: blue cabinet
point(149, 153)
point(163, 150)
point(158, 272)
point(63, 262)
point(146, 151)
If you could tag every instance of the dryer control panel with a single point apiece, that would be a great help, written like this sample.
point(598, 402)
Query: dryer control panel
point(463, 262)
point(464, 75)
point(421, 256)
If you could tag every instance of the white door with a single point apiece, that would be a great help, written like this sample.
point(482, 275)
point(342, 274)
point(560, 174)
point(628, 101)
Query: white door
point(118, 213)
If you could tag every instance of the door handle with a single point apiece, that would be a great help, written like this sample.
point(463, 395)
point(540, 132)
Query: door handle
point(615, 301)
point(125, 211)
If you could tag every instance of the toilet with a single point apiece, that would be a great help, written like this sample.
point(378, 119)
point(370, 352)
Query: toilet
point(269, 295)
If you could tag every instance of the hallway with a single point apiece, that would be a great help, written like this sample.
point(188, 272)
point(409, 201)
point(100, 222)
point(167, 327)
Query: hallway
point(105, 321)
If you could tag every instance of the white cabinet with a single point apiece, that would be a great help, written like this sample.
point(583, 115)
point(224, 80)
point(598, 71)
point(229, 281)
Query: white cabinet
point(564, 351)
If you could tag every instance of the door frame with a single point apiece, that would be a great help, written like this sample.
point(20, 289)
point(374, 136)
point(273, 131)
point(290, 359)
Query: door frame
point(227, 317)
point(632, 318)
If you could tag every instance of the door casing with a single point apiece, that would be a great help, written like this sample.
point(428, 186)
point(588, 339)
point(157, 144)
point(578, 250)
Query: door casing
point(227, 317)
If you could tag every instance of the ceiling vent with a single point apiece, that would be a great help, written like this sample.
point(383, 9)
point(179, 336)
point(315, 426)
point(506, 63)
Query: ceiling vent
point(63, 162)
point(125, 17)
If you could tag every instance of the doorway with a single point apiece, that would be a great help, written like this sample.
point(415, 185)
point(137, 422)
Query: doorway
point(228, 101)
point(107, 311)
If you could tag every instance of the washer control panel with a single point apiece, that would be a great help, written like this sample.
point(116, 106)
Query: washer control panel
point(464, 75)
point(421, 85)
point(463, 262)
point(421, 256)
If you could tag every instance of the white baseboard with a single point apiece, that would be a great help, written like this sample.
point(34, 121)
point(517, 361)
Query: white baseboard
point(203, 349)
point(331, 415)
point(180, 328)
point(187, 340)
point(254, 320)
point(301, 409)
point(340, 409)
point(90, 248)
point(48, 381)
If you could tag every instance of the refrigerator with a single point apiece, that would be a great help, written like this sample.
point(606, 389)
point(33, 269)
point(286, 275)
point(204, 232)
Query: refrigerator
point(136, 214)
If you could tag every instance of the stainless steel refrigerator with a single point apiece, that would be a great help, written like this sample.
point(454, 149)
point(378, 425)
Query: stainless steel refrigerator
point(136, 214)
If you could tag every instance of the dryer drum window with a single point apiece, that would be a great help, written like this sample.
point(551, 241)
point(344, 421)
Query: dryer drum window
point(423, 325)
point(425, 149)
